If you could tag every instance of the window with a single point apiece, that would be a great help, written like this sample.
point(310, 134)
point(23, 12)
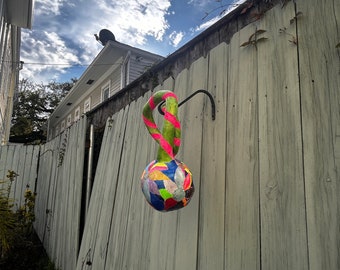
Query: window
point(69, 120)
point(77, 114)
point(106, 91)
point(87, 105)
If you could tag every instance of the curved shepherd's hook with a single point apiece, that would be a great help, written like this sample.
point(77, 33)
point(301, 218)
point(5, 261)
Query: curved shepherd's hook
point(213, 106)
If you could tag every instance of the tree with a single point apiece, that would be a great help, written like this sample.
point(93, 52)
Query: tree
point(33, 105)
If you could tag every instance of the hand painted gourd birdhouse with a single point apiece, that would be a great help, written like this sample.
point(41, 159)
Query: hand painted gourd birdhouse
point(166, 182)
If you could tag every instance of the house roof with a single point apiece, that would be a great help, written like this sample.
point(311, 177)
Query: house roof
point(107, 57)
point(19, 12)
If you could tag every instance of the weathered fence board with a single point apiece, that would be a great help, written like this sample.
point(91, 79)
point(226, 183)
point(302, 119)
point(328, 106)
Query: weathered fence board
point(161, 249)
point(48, 162)
point(242, 210)
point(99, 220)
point(22, 160)
point(138, 218)
point(60, 179)
point(96, 202)
point(242, 198)
point(283, 218)
point(318, 35)
point(213, 174)
point(116, 223)
point(190, 114)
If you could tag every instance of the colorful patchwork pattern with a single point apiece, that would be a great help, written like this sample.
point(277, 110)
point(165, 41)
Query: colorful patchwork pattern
point(167, 186)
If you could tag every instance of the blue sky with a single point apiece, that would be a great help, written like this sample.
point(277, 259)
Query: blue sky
point(61, 43)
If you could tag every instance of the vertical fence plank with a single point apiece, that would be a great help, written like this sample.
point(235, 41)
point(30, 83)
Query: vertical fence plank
point(18, 156)
point(190, 115)
point(22, 160)
point(120, 241)
point(3, 170)
point(50, 209)
point(65, 207)
point(212, 187)
point(138, 217)
point(242, 198)
point(283, 217)
point(318, 35)
point(96, 199)
point(163, 225)
point(94, 247)
point(42, 189)
point(113, 194)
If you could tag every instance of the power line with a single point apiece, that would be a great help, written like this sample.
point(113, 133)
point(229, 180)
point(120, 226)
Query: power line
point(60, 64)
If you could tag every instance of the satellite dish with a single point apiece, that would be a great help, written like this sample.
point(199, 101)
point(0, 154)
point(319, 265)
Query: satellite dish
point(104, 36)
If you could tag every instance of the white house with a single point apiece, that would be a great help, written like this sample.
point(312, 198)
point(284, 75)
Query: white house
point(15, 14)
point(115, 66)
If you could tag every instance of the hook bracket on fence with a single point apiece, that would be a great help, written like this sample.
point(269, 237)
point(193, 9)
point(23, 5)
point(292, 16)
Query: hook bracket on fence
point(212, 101)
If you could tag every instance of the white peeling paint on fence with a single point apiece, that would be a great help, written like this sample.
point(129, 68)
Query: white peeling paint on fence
point(23, 160)
point(60, 185)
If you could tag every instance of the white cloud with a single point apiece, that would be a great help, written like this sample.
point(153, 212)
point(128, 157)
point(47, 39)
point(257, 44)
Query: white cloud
point(200, 3)
point(176, 37)
point(46, 53)
point(47, 7)
point(63, 30)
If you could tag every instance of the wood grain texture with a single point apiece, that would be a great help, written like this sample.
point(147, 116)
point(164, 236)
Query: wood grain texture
point(283, 217)
point(110, 181)
point(318, 34)
point(191, 117)
point(95, 205)
point(47, 164)
point(138, 217)
point(65, 208)
point(163, 226)
point(22, 160)
point(99, 218)
point(242, 230)
point(213, 174)
point(266, 171)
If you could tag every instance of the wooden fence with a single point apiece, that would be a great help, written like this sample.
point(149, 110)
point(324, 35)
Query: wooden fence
point(266, 171)
point(59, 189)
point(23, 160)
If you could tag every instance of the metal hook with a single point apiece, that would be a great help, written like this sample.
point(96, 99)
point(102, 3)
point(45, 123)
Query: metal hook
point(43, 153)
point(213, 106)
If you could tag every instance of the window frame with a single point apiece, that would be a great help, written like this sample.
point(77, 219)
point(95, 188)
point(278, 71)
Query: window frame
point(104, 88)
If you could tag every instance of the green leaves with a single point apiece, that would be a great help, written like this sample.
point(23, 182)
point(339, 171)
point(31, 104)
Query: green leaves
point(34, 103)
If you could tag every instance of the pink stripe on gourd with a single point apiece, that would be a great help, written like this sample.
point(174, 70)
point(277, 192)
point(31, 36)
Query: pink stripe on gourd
point(177, 141)
point(172, 119)
point(156, 136)
point(149, 123)
point(168, 138)
point(166, 146)
point(169, 94)
point(152, 103)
